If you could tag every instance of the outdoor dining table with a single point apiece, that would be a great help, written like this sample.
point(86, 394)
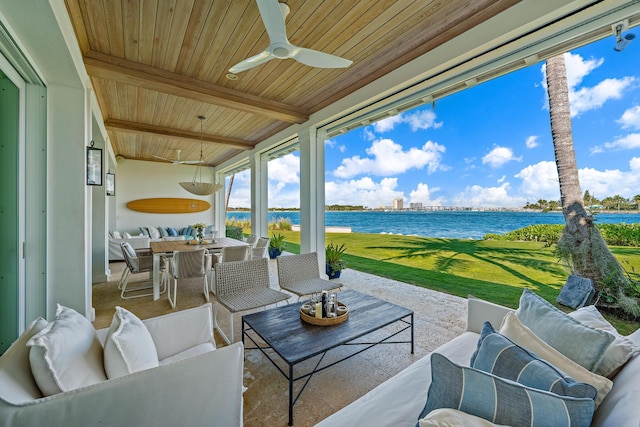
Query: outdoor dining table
point(170, 246)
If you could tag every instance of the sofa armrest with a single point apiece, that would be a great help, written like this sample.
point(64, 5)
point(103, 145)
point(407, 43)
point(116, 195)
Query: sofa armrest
point(181, 330)
point(479, 311)
point(203, 390)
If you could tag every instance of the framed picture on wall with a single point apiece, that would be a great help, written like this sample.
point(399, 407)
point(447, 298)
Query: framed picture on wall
point(94, 166)
point(111, 184)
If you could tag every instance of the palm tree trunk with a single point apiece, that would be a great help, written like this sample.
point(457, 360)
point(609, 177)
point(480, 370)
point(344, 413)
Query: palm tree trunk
point(581, 243)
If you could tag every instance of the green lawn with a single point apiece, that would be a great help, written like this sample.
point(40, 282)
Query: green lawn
point(497, 271)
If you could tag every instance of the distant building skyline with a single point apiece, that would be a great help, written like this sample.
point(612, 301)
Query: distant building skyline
point(398, 203)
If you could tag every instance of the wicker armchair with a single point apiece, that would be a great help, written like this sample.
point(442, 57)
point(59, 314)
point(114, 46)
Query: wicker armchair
point(187, 265)
point(240, 286)
point(300, 275)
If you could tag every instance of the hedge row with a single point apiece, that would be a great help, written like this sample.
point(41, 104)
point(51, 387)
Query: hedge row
point(620, 234)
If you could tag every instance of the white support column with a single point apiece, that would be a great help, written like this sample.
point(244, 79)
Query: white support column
point(259, 194)
point(219, 212)
point(312, 203)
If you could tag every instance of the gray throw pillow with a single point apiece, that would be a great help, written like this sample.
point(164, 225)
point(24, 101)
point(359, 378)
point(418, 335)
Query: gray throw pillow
point(498, 355)
point(499, 400)
point(584, 345)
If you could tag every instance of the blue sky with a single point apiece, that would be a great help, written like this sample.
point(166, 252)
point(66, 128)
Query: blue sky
point(487, 146)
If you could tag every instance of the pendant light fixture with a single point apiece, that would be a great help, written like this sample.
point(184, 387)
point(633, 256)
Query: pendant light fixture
point(197, 186)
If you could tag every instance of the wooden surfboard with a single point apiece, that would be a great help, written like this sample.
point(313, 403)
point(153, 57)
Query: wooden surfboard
point(168, 205)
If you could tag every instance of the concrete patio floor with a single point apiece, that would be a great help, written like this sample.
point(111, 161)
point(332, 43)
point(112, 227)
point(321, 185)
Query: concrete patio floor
point(438, 318)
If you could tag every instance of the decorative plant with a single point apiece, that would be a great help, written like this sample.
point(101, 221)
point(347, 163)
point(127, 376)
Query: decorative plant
point(334, 255)
point(199, 227)
point(277, 242)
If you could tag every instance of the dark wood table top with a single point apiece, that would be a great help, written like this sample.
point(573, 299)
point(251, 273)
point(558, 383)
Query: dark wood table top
point(294, 340)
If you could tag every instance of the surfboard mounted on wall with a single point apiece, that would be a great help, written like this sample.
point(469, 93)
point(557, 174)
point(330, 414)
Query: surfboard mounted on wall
point(168, 205)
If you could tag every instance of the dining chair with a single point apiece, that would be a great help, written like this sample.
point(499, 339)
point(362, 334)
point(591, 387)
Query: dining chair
point(260, 249)
point(251, 240)
point(188, 265)
point(138, 261)
point(300, 274)
point(241, 286)
point(235, 253)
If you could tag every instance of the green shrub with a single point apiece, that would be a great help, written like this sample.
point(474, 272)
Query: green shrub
point(614, 234)
point(234, 232)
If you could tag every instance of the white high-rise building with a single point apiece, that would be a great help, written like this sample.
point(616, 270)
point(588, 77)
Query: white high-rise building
point(397, 204)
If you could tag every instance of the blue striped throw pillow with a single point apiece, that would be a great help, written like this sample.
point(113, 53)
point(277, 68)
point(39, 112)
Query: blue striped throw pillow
point(498, 355)
point(499, 400)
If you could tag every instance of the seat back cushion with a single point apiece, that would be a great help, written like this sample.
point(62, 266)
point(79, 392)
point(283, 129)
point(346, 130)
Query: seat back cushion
point(66, 354)
point(16, 381)
point(582, 344)
point(446, 417)
point(499, 400)
point(128, 347)
point(498, 355)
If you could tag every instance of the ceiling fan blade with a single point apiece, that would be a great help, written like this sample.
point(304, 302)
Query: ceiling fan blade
point(315, 58)
point(191, 162)
point(248, 63)
point(162, 158)
point(273, 14)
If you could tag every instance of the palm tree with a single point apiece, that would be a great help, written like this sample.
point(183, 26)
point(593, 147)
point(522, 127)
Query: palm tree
point(581, 244)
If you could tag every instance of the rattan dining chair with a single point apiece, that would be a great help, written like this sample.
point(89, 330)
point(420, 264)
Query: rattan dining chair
point(241, 286)
point(188, 265)
point(300, 274)
point(235, 253)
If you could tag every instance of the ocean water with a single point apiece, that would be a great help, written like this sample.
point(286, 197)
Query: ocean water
point(452, 224)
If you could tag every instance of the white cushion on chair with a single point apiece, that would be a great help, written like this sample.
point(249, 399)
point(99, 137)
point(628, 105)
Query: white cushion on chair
point(128, 347)
point(66, 354)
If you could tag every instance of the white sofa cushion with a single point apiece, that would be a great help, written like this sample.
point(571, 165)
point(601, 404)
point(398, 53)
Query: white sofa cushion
point(446, 417)
point(154, 233)
point(66, 354)
point(582, 344)
point(619, 352)
point(621, 408)
point(513, 329)
point(16, 380)
point(128, 347)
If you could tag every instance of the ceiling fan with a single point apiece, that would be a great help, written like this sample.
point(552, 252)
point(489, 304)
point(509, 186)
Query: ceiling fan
point(273, 15)
point(177, 160)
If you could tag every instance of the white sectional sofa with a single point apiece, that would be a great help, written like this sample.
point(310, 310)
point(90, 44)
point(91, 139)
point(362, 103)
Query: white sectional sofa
point(399, 401)
point(194, 384)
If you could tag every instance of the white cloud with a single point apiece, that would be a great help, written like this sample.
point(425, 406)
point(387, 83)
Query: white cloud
point(368, 134)
point(423, 194)
point(532, 141)
point(386, 125)
point(285, 169)
point(502, 179)
point(588, 98)
point(627, 142)
point(630, 118)
point(364, 191)
point(389, 158)
point(539, 181)
point(418, 120)
point(495, 197)
point(499, 156)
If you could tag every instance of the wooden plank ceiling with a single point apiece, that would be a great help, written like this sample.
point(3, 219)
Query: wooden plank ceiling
point(156, 65)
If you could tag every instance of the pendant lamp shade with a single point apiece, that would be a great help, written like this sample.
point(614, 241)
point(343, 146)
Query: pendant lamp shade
point(197, 186)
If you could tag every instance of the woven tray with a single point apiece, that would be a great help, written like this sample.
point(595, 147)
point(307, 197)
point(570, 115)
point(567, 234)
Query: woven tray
point(325, 321)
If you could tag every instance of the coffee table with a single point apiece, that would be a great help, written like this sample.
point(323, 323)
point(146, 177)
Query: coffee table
point(295, 341)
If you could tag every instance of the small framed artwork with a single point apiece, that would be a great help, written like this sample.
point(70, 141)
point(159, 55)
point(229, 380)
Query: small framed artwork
point(94, 166)
point(111, 184)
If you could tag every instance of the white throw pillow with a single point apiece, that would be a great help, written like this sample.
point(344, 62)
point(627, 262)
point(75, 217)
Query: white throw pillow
point(447, 417)
point(513, 329)
point(154, 233)
point(66, 354)
point(128, 347)
point(126, 235)
point(116, 234)
point(619, 352)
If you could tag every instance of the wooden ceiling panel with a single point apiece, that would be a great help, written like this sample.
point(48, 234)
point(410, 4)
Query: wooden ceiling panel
point(157, 64)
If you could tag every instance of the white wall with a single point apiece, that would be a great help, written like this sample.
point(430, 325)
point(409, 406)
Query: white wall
point(143, 180)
